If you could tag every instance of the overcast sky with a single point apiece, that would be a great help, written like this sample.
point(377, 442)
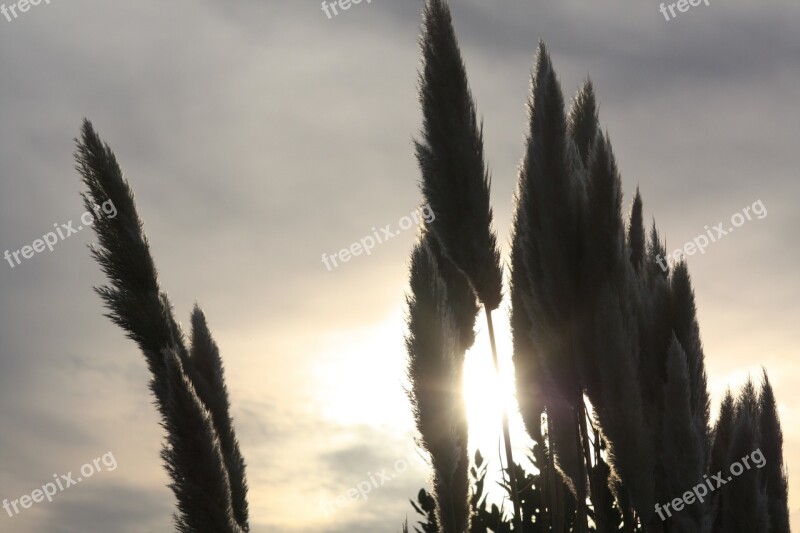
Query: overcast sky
point(259, 135)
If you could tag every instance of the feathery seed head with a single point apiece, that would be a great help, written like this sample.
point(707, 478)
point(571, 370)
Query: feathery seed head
point(455, 182)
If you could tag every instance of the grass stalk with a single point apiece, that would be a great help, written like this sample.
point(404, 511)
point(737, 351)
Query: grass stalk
point(512, 477)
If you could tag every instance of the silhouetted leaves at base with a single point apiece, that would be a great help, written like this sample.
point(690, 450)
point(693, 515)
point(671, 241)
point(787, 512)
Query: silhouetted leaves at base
point(488, 517)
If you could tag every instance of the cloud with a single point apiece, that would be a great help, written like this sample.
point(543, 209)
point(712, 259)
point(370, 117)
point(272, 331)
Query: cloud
point(106, 507)
point(259, 135)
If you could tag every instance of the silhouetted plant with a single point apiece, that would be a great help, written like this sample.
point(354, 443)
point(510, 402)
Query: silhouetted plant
point(455, 181)
point(610, 367)
point(774, 478)
point(435, 369)
point(201, 453)
point(599, 325)
point(535, 514)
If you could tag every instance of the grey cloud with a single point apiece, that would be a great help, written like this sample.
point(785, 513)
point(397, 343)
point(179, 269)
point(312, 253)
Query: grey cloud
point(259, 135)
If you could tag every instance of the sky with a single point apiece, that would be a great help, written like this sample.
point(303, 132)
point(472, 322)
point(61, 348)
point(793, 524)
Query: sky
point(259, 135)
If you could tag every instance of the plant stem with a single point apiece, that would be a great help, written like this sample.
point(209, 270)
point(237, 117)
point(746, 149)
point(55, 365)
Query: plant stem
point(512, 475)
point(582, 519)
point(555, 489)
point(584, 432)
point(601, 519)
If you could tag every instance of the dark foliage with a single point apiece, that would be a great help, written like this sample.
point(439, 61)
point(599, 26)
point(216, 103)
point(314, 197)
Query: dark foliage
point(773, 479)
point(536, 513)
point(596, 314)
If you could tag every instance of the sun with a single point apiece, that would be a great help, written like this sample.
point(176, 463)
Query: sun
point(486, 394)
point(483, 397)
point(370, 388)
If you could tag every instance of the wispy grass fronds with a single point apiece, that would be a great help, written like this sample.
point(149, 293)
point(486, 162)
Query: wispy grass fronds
point(595, 309)
point(194, 457)
point(435, 370)
point(133, 297)
point(683, 445)
point(209, 383)
point(720, 448)
point(604, 232)
point(547, 194)
point(550, 199)
point(455, 181)
point(656, 328)
point(562, 427)
point(547, 233)
point(636, 238)
point(748, 400)
point(757, 499)
point(547, 248)
point(532, 385)
point(655, 248)
point(774, 477)
point(583, 122)
point(687, 331)
point(461, 297)
point(193, 453)
point(620, 411)
point(723, 433)
point(603, 249)
point(656, 333)
point(744, 508)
